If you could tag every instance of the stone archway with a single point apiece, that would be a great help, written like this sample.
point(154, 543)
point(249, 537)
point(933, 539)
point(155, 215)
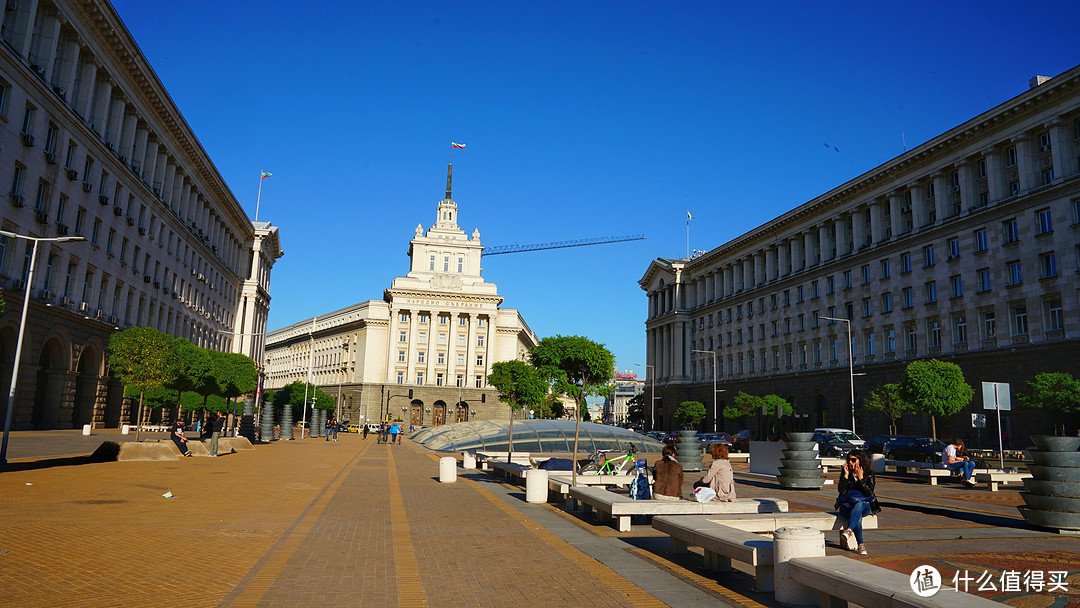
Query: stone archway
point(439, 418)
point(89, 389)
point(461, 413)
point(416, 413)
point(52, 382)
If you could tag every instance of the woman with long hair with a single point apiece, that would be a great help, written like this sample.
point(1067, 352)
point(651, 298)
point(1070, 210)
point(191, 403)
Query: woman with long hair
point(855, 499)
point(719, 476)
point(667, 476)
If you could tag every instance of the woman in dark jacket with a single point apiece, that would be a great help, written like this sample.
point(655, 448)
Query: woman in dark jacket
point(667, 476)
point(855, 496)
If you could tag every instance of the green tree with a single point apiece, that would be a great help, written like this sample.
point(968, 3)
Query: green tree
point(887, 401)
point(936, 388)
point(192, 363)
point(635, 409)
point(690, 413)
point(551, 407)
point(519, 385)
point(292, 395)
point(1056, 392)
point(143, 359)
point(745, 405)
point(240, 376)
point(574, 366)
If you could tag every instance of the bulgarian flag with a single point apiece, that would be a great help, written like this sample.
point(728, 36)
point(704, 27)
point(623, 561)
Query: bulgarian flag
point(456, 145)
point(265, 175)
point(688, 216)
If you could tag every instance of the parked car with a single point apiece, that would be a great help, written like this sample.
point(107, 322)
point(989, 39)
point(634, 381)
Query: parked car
point(833, 445)
point(353, 428)
point(657, 435)
point(708, 439)
point(876, 445)
point(845, 434)
point(916, 449)
point(741, 441)
point(671, 438)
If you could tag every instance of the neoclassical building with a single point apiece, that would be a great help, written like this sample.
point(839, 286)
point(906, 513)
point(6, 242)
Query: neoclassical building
point(91, 145)
point(965, 249)
point(423, 352)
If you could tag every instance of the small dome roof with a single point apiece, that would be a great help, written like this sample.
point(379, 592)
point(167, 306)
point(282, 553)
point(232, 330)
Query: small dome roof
point(534, 436)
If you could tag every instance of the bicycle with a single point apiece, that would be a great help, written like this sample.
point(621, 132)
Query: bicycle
point(602, 466)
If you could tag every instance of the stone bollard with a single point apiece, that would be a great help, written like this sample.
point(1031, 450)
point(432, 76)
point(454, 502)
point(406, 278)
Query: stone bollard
point(789, 542)
point(536, 486)
point(468, 461)
point(447, 469)
point(877, 463)
point(124, 430)
point(86, 430)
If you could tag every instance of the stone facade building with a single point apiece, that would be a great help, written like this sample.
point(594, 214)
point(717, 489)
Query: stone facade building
point(91, 145)
point(964, 249)
point(423, 352)
point(627, 386)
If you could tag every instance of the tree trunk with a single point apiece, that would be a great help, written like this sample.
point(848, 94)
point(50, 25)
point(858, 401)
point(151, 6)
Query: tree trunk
point(577, 429)
point(933, 426)
point(138, 419)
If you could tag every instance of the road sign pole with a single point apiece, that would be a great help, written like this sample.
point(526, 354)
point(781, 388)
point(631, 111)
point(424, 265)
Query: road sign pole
point(1001, 440)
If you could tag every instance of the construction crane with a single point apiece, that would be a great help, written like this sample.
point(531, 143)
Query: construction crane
point(600, 240)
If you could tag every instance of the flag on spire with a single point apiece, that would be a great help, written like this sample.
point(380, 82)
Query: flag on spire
point(688, 216)
point(457, 145)
point(265, 174)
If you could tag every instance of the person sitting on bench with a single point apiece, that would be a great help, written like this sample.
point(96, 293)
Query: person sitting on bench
point(954, 459)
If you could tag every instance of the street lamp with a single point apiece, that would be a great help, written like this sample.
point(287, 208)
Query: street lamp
point(851, 367)
point(22, 327)
point(652, 390)
point(713, 383)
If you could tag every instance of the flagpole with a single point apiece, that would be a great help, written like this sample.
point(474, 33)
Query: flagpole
point(687, 235)
point(258, 199)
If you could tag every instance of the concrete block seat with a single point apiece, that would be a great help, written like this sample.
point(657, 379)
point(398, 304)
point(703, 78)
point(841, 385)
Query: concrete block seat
point(932, 475)
point(722, 545)
point(510, 470)
point(483, 457)
point(757, 522)
point(905, 466)
point(560, 482)
point(609, 505)
point(842, 580)
point(993, 478)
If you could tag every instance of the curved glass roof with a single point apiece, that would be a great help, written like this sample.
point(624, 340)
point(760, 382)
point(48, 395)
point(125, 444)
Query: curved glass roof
point(534, 436)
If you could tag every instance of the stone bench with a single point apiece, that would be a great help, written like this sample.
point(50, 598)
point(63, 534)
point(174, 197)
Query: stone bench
point(510, 469)
point(933, 474)
point(721, 545)
point(758, 522)
point(560, 482)
point(483, 457)
point(993, 478)
point(902, 466)
point(841, 581)
point(609, 505)
point(739, 456)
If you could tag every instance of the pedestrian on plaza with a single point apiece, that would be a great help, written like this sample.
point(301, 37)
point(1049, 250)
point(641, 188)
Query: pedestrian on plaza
point(384, 432)
point(178, 438)
point(218, 425)
point(365, 432)
point(719, 476)
point(667, 476)
point(329, 426)
point(954, 459)
point(855, 499)
point(395, 433)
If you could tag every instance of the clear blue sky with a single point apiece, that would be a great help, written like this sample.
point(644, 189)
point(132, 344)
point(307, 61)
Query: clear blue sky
point(581, 120)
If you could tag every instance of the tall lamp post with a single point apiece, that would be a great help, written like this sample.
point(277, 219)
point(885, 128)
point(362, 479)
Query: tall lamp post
point(851, 367)
point(714, 412)
point(652, 391)
point(22, 326)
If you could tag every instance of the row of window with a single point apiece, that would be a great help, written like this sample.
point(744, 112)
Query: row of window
point(422, 318)
point(421, 338)
point(440, 379)
point(421, 357)
point(446, 264)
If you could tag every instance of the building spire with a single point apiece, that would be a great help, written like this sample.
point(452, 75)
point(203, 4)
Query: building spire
point(449, 177)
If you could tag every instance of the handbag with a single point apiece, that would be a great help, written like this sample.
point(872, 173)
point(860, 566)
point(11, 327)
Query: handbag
point(700, 484)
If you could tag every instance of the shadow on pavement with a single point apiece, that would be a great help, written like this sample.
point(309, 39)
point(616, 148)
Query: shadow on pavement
point(48, 463)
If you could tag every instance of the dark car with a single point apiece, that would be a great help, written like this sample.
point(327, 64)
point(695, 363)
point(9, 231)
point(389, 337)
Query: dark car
point(915, 449)
point(833, 446)
point(671, 438)
point(876, 445)
point(708, 439)
point(741, 441)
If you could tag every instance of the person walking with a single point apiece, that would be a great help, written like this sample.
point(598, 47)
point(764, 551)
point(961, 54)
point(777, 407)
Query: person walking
point(365, 431)
point(954, 460)
point(178, 437)
point(855, 499)
point(217, 426)
point(395, 432)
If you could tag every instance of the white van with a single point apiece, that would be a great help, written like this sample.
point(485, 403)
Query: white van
point(846, 434)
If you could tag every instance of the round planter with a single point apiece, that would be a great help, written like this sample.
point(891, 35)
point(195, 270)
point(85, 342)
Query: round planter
point(1051, 503)
point(1045, 473)
point(801, 464)
point(1051, 443)
point(1056, 459)
point(688, 451)
point(800, 436)
point(800, 483)
point(1060, 520)
point(799, 445)
point(800, 454)
point(789, 473)
point(1066, 489)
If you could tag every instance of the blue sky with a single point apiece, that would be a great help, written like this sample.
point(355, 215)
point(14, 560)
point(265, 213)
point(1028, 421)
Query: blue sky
point(581, 120)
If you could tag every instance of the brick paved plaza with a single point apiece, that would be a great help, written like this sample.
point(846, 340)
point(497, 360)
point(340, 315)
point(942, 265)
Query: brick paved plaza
point(353, 523)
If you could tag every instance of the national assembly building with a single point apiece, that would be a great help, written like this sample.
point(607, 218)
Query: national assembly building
point(965, 249)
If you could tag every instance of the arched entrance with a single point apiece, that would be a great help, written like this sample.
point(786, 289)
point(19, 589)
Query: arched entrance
point(88, 374)
point(820, 418)
point(440, 413)
point(50, 386)
point(462, 412)
point(416, 413)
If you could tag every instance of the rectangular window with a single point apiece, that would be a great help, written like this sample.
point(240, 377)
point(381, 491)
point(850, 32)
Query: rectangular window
point(890, 340)
point(1010, 156)
point(480, 360)
point(928, 256)
point(461, 340)
point(908, 295)
point(905, 263)
point(404, 318)
point(960, 329)
point(886, 270)
point(866, 274)
point(1048, 265)
point(1076, 209)
point(817, 351)
point(446, 263)
point(984, 279)
point(912, 338)
point(16, 181)
point(799, 294)
point(847, 279)
point(868, 307)
point(1010, 231)
point(870, 344)
point(401, 377)
point(480, 341)
point(442, 339)
point(421, 338)
point(423, 318)
point(980, 240)
point(438, 379)
point(931, 292)
point(462, 321)
point(80, 218)
point(813, 293)
point(95, 230)
point(834, 349)
point(1054, 318)
point(957, 286)
point(933, 334)
point(1020, 324)
point(479, 382)
point(431, 262)
point(28, 120)
point(419, 377)
point(401, 356)
point(403, 336)
point(954, 248)
point(989, 325)
point(1015, 275)
point(443, 319)
point(1046, 223)
point(830, 286)
point(886, 302)
point(109, 242)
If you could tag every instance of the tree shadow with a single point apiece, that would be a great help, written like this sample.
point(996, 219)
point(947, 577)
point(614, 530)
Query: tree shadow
point(48, 463)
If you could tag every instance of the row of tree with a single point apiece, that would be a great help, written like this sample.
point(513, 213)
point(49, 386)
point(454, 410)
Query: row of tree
point(164, 371)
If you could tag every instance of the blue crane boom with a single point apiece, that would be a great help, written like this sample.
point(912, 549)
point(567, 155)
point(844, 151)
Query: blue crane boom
point(600, 240)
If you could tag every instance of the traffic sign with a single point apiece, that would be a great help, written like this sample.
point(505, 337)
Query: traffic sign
point(996, 395)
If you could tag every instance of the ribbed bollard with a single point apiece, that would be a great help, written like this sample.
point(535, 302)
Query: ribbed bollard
point(448, 469)
point(789, 542)
point(247, 420)
point(266, 422)
point(287, 423)
point(468, 461)
point(536, 486)
point(1053, 490)
point(800, 468)
point(688, 451)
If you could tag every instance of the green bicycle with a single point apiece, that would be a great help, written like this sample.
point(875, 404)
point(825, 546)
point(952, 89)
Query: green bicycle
point(600, 464)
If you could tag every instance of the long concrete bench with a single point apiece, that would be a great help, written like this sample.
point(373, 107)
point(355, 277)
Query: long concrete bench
point(993, 478)
point(934, 474)
point(722, 545)
point(510, 469)
point(754, 522)
point(902, 466)
point(620, 508)
point(560, 482)
point(841, 580)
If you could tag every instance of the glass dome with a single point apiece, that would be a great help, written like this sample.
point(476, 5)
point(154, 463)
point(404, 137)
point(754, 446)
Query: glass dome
point(534, 436)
